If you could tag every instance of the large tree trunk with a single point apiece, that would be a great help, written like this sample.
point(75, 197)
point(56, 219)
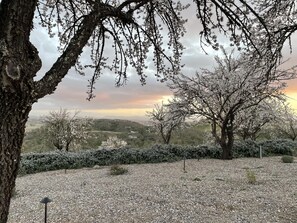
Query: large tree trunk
point(12, 127)
point(227, 147)
point(227, 139)
point(227, 150)
point(19, 63)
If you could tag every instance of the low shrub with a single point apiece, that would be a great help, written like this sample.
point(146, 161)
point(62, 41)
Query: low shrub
point(117, 170)
point(278, 147)
point(250, 148)
point(247, 148)
point(287, 159)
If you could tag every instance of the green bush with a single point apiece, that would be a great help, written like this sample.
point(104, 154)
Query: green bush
point(278, 147)
point(39, 162)
point(287, 159)
point(117, 170)
point(247, 148)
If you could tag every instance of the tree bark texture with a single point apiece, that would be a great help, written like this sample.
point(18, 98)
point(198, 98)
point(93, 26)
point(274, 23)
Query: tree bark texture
point(12, 127)
point(19, 63)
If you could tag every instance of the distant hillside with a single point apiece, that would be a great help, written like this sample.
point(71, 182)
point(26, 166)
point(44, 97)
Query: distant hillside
point(134, 133)
point(116, 125)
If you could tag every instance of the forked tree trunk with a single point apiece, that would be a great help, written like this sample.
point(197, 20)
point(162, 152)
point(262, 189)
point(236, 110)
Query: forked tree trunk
point(225, 139)
point(14, 112)
point(165, 134)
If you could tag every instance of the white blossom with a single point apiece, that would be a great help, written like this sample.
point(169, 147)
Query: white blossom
point(64, 131)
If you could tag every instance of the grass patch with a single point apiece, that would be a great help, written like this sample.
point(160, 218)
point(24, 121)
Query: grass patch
point(251, 176)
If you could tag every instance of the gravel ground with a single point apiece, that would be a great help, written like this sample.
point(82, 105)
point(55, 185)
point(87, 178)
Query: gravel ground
point(210, 191)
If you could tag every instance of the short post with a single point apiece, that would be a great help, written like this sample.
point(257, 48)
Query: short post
point(185, 164)
point(261, 152)
point(45, 201)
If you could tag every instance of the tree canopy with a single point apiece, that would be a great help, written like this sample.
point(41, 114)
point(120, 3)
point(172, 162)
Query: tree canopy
point(260, 25)
point(134, 29)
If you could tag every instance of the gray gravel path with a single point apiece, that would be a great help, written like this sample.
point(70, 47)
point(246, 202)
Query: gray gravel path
point(211, 191)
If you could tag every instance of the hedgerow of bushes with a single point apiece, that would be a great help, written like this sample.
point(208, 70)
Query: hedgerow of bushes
point(250, 148)
point(39, 162)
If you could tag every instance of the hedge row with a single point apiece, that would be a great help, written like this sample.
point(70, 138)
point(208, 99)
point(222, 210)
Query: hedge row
point(39, 162)
point(251, 148)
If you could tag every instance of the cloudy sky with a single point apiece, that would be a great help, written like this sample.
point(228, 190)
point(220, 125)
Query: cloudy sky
point(132, 100)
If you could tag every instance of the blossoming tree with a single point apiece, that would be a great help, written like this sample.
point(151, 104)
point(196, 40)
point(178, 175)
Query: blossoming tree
point(235, 85)
point(165, 121)
point(63, 129)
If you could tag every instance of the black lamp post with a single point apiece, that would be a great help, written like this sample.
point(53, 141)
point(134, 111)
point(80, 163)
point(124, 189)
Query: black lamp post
point(45, 201)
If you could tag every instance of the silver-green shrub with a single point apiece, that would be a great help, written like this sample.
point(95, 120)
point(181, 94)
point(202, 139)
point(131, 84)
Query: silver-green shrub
point(287, 159)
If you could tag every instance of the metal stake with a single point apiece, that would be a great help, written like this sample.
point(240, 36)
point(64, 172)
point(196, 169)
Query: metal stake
point(185, 164)
point(261, 152)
